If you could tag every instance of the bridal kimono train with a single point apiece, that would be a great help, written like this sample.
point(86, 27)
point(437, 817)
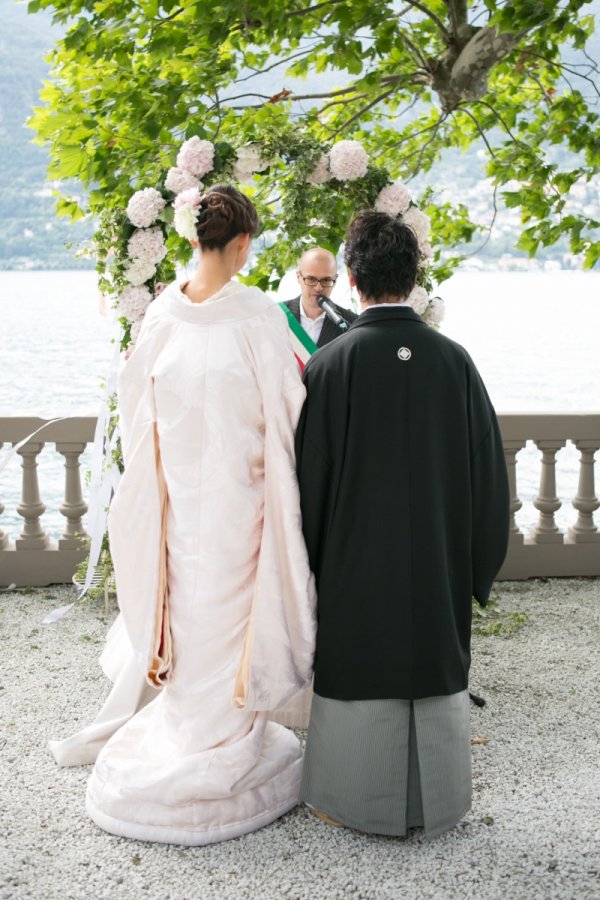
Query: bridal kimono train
point(215, 591)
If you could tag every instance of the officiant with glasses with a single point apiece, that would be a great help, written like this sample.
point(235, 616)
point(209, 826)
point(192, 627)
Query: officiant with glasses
point(317, 275)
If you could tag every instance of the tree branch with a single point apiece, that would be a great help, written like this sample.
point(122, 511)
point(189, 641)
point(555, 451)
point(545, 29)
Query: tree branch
point(458, 12)
point(311, 9)
point(489, 227)
point(515, 140)
point(415, 4)
point(362, 111)
point(280, 62)
point(480, 130)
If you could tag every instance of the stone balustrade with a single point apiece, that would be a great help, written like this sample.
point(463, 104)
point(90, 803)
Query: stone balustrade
point(33, 559)
point(546, 550)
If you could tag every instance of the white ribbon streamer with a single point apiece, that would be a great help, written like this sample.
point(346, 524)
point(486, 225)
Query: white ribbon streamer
point(104, 473)
point(16, 447)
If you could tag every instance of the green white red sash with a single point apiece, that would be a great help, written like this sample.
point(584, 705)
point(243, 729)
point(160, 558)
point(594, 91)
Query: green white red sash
point(303, 344)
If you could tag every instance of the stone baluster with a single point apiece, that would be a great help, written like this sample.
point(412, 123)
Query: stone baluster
point(585, 502)
point(73, 507)
point(3, 536)
point(31, 507)
point(511, 448)
point(547, 531)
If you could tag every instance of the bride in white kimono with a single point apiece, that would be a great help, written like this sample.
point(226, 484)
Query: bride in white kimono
point(216, 596)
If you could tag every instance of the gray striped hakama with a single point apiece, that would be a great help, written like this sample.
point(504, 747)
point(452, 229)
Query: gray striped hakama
point(383, 766)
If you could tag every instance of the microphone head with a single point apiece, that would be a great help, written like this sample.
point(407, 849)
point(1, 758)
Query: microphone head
point(321, 299)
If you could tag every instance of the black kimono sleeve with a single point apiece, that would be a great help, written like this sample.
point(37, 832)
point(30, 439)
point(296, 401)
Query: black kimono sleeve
point(490, 496)
point(314, 476)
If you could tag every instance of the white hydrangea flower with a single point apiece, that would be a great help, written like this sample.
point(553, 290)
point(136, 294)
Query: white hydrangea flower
point(419, 223)
point(185, 222)
point(426, 249)
point(435, 312)
point(320, 174)
point(144, 207)
point(147, 244)
point(134, 301)
point(251, 159)
point(348, 160)
point(196, 156)
point(179, 180)
point(241, 173)
point(139, 271)
point(186, 207)
point(393, 199)
point(418, 299)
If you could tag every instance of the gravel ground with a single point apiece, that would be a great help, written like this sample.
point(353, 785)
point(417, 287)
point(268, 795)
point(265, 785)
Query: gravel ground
point(533, 831)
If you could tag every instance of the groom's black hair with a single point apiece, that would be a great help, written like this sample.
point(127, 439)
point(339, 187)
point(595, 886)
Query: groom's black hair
point(383, 255)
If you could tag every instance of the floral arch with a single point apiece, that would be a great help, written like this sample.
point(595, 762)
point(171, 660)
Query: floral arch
point(322, 186)
point(139, 247)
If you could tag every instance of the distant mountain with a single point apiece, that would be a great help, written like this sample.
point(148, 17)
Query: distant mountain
point(31, 235)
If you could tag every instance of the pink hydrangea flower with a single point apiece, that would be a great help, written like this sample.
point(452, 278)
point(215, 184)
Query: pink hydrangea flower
point(196, 156)
point(148, 245)
point(348, 160)
point(393, 199)
point(190, 198)
point(179, 180)
point(144, 207)
point(134, 301)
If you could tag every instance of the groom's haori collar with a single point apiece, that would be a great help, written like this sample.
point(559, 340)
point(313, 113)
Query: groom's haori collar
point(373, 314)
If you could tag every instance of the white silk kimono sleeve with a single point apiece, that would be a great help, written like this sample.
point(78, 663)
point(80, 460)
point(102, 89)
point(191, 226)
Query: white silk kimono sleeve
point(277, 659)
point(137, 521)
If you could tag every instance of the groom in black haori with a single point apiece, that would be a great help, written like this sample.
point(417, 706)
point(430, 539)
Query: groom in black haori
point(405, 509)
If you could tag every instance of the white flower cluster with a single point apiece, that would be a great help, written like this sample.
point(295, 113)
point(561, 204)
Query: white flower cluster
point(139, 271)
point(434, 314)
point(348, 160)
point(147, 245)
point(320, 174)
point(418, 299)
point(393, 199)
point(196, 157)
point(186, 207)
point(144, 207)
point(133, 302)
point(249, 161)
point(419, 223)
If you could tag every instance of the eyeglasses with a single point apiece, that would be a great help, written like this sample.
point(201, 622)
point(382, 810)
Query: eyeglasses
point(311, 281)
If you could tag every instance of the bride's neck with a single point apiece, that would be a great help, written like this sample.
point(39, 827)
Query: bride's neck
point(215, 269)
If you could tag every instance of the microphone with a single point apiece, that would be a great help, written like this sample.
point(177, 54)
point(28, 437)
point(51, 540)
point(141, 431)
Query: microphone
point(329, 310)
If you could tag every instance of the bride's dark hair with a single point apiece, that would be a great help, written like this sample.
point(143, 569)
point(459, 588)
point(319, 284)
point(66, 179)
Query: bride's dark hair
point(224, 213)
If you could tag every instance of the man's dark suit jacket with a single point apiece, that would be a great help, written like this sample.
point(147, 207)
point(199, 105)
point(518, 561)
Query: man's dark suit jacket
point(405, 507)
point(330, 330)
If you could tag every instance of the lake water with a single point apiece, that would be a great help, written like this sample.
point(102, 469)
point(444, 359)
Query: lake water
point(535, 338)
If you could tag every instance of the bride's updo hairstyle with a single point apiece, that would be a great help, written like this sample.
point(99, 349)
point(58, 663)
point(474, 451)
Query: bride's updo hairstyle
point(223, 214)
point(383, 255)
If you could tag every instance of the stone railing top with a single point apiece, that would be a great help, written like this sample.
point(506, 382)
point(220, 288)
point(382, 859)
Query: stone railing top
point(574, 426)
point(71, 428)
